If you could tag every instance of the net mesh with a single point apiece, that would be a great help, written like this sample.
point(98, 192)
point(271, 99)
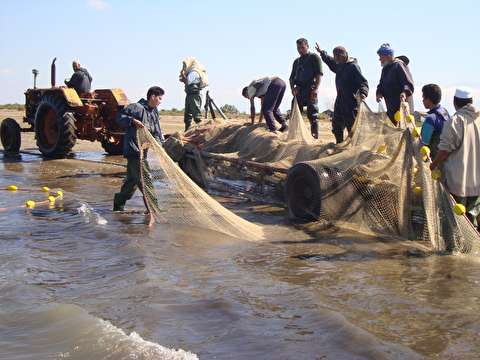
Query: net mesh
point(376, 182)
point(171, 196)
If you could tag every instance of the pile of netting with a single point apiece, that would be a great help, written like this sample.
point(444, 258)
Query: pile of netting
point(381, 183)
point(376, 182)
point(240, 140)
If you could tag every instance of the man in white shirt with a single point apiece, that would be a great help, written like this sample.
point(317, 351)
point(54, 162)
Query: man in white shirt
point(459, 154)
point(270, 90)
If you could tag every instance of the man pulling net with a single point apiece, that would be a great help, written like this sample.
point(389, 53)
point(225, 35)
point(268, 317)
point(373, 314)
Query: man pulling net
point(141, 115)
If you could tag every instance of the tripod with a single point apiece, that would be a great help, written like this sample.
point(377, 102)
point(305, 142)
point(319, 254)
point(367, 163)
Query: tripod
point(209, 105)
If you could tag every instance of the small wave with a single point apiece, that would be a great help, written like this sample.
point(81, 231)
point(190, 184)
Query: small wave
point(91, 215)
point(64, 331)
point(119, 345)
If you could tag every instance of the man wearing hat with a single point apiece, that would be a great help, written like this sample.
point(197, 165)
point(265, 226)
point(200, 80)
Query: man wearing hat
point(459, 154)
point(350, 84)
point(396, 83)
point(304, 82)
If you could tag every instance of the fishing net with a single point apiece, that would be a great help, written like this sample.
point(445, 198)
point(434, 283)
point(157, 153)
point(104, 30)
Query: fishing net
point(171, 196)
point(381, 184)
point(376, 182)
point(234, 140)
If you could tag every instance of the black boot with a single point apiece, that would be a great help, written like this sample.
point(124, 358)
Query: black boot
point(188, 123)
point(117, 206)
point(314, 128)
point(338, 137)
point(284, 127)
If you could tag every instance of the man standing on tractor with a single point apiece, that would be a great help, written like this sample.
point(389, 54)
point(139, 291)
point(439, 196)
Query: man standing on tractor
point(304, 82)
point(350, 84)
point(195, 78)
point(81, 79)
point(143, 114)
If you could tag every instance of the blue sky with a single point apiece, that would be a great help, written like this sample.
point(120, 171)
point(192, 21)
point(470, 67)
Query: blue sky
point(135, 44)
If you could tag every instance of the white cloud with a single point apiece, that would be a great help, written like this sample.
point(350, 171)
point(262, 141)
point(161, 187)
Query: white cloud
point(98, 4)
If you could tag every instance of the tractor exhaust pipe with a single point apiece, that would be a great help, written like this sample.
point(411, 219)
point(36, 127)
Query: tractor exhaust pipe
point(53, 73)
point(35, 74)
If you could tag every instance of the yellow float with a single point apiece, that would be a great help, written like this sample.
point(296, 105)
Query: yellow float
point(398, 116)
point(459, 209)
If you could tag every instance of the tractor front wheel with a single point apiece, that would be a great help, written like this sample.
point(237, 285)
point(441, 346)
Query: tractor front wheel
point(54, 127)
point(10, 136)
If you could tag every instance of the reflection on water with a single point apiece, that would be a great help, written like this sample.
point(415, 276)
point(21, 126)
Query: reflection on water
point(71, 288)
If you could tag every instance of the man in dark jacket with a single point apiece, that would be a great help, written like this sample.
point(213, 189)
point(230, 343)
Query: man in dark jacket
point(143, 114)
point(396, 83)
point(304, 82)
point(350, 84)
point(81, 80)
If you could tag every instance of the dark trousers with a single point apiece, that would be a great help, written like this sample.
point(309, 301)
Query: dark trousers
point(304, 99)
point(271, 103)
point(193, 109)
point(132, 181)
point(393, 105)
point(391, 116)
point(340, 122)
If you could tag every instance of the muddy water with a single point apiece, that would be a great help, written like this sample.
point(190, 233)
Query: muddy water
point(90, 284)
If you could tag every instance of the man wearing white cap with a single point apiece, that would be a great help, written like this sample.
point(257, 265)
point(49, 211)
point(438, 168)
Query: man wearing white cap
point(459, 154)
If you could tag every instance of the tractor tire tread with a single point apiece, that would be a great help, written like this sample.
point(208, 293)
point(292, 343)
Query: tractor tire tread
point(10, 135)
point(66, 126)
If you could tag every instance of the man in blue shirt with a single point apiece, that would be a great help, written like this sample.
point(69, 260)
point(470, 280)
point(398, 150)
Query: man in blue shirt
point(436, 117)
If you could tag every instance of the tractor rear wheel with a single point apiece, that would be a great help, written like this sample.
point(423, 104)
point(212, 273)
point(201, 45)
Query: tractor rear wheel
point(54, 127)
point(113, 145)
point(10, 135)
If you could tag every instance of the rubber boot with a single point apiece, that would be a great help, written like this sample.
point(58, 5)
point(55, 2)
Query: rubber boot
point(284, 127)
point(314, 128)
point(117, 206)
point(338, 137)
point(188, 123)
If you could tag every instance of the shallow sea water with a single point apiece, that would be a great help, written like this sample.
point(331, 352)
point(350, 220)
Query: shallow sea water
point(91, 284)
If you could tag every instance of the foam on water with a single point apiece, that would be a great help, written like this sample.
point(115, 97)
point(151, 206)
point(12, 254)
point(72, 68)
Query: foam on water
point(90, 215)
point(68, 332)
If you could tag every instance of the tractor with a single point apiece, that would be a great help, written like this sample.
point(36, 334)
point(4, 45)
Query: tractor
point(59, 116)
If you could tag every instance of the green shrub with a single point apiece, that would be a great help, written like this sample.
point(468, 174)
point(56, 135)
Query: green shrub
point(15, 106)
